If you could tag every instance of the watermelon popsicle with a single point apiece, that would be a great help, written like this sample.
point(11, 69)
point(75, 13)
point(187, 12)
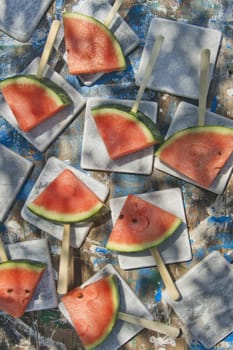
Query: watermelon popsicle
point(94, 308)
point(33, 98)
point(142, 225)
point(85, 35)
point(126, 130)
point(65, 200)
point(19, 279)
point(203, 142)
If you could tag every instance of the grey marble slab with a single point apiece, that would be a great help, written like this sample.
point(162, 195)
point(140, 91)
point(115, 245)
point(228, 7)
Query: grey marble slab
point(206, 305)
point(44, 134)
point(94, 154)
point(177, 248)
point(129, 303)
point(177, 68)
point(187, 116)
point(14, 170)
point(19, 19)
point(51, 169)
point(125, 35)
point(45, 296)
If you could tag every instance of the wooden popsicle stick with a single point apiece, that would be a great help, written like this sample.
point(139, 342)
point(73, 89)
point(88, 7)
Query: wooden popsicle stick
point(153, 57)
point(63, 274)
point(204, 83)
point(3, 254)
point(166, 277)
point(48, 47)
point(160, 327)
point(113, 11)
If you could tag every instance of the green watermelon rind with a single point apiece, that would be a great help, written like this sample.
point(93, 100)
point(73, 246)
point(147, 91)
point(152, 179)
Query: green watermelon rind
point(128, 248)
point(113, 38)
point(55, 92)
point(217, 129)
point(37, 266)
point(148, 127)
point(64, 217)
point(116, 299)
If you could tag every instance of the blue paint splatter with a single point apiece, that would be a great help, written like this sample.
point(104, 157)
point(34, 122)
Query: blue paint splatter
point(214, 104)
point(158, 295)
point(220, 219)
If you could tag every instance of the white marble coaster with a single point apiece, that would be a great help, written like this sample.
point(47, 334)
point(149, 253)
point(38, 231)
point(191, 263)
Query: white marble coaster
point(94, 154)
point(14, 169)
point(78, 232)
point(20, 18)
point(177, 68)
point(187, 116)
point(125, 35)
point(176, 248)
point(129, 303)
point(45, 133)
point(206, 306)
point(45, 296)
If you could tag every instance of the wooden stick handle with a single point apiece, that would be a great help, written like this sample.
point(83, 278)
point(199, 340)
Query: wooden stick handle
point(204, 83)
point(3, 254)
point(166, 277)
point(160, 327)
point(63, 275)
point(153, 57)
point(48, 47)
point(112, 13)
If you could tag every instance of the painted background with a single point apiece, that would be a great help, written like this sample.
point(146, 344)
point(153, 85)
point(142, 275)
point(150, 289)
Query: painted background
point(209, 217)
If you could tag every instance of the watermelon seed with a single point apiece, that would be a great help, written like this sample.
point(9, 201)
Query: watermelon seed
point(27, 291)
point(121, 216)
point(9, 290)
point(134, 221)
point(79, 295)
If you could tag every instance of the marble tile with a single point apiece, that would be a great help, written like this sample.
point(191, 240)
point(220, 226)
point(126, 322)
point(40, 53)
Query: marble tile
point(206, 306)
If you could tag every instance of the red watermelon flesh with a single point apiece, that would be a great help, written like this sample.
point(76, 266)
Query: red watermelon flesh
point(124, 132)
point(141, 225)
point(66, 199)
point(33, 100)
point(91, 47)
point(18, 282)
point(93, 310)
point(199, 152)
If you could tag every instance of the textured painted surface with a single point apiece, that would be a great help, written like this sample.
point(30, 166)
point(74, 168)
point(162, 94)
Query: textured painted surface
point(209, 216)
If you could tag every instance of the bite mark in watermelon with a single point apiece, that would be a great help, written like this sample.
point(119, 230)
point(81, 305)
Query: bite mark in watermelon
point(18, 282)
point(198, 152)
point(141, 225)
point(66, 199)
point(33, 100)
point(93, 310)
point(124, 132)
point(91, 47)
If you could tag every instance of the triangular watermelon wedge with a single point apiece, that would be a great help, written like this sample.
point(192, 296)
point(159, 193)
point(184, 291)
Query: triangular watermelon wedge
point(123, 131)
point(66, 199)
point(141, 225)
point(18, 282)
point(199, 152)
point(91, 47)
point(93, 310)
point(33, 100)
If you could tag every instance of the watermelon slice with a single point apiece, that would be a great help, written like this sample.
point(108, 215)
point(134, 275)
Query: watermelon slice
point(124, 132)
point(141, 225)
point(18, 282)
point(33, 100)
point(66, 199)
point(93, 310)
point(198, 152)
point(91, 47)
